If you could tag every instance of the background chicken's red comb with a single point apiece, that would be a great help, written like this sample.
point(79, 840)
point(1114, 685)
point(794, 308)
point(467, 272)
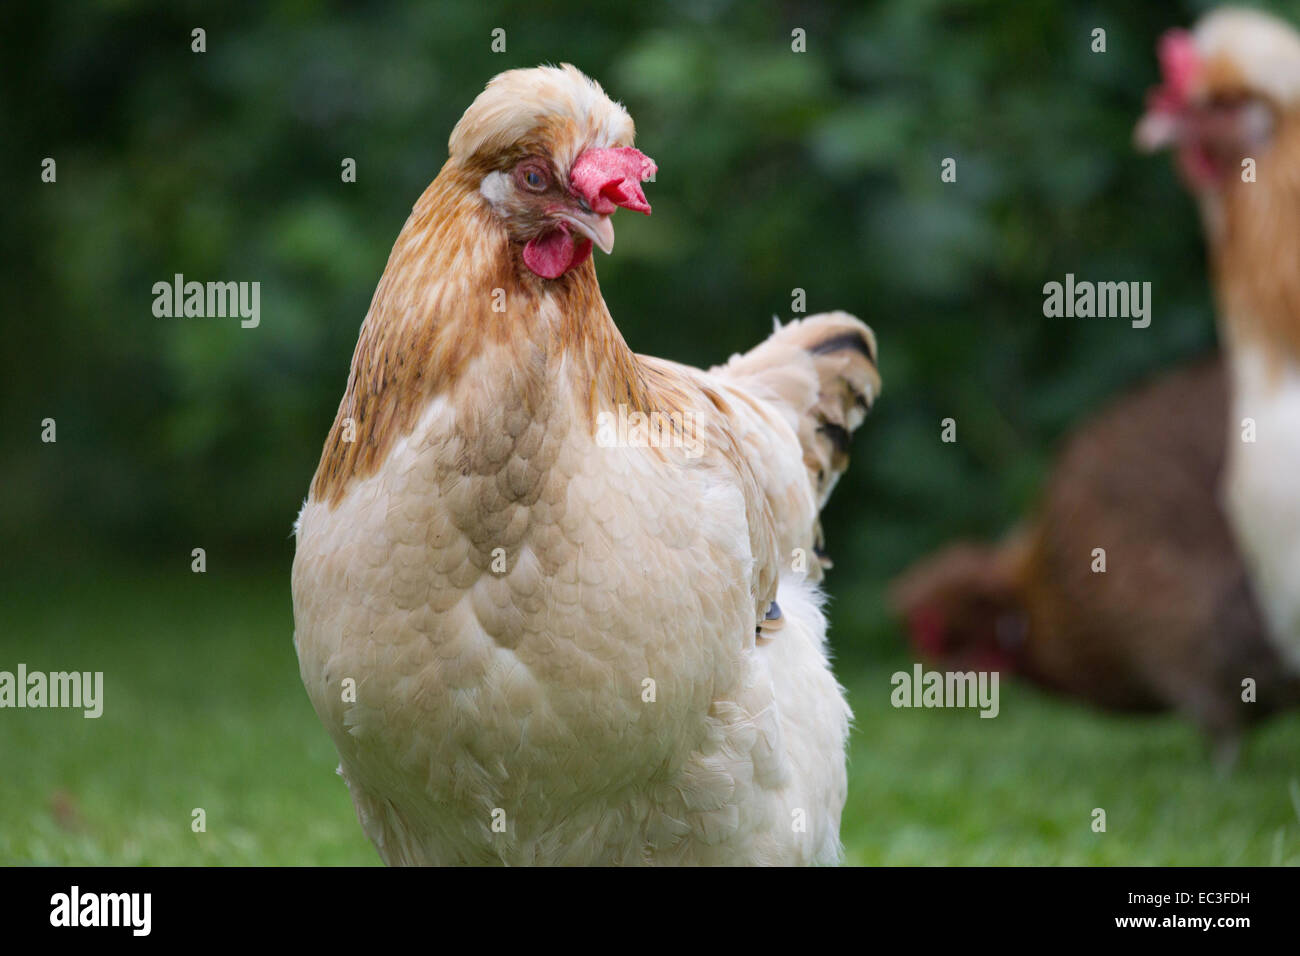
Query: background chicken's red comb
point(1179, 64)
point(609, 178)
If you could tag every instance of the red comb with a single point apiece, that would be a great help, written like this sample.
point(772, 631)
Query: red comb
point(1179, 64)
point(609, 178)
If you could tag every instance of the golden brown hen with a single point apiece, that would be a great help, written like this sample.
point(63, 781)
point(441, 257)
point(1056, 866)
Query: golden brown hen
point(1125, 588)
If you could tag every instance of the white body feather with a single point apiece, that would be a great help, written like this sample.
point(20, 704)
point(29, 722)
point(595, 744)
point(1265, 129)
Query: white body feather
point(461, 749)
point(1263, 489)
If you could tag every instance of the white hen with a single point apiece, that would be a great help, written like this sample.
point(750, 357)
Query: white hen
point(539, 627)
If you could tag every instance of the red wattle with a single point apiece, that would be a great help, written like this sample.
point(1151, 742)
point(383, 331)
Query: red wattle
point(556, 252)
point(927, 627)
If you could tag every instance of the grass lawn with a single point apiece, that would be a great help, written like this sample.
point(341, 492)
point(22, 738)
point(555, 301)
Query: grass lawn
point(203, 709)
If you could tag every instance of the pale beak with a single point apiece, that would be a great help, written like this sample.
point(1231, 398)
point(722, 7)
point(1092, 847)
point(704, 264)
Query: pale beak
point(594, 226)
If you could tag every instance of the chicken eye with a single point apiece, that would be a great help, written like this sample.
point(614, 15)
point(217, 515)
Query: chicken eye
point(534, 177)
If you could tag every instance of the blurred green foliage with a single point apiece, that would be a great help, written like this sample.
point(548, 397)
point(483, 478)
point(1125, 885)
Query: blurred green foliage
point(778, 170)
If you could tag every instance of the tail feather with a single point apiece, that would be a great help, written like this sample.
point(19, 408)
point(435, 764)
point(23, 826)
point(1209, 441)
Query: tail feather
point(821, 372)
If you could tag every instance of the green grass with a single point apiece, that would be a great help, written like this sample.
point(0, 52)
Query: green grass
point(947, 786)
point(203, 708)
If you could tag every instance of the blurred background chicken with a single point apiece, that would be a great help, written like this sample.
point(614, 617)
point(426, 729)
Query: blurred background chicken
point(1171, 623)
point(1178, 620)
point(1230, 107)
point(567, 649)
